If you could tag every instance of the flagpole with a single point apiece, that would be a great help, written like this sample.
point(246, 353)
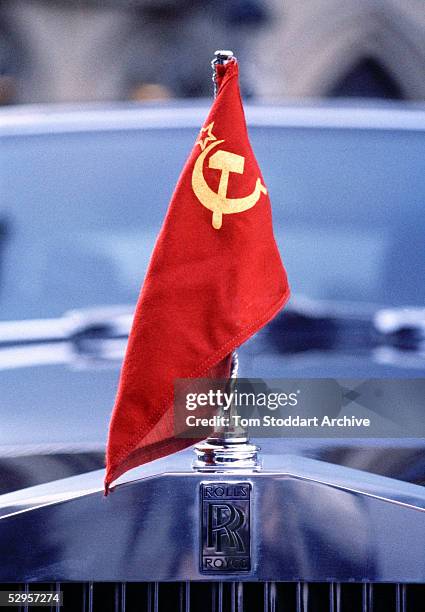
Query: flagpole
point(227, 448)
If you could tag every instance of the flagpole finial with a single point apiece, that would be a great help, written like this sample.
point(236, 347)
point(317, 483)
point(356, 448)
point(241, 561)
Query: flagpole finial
point(221, 57)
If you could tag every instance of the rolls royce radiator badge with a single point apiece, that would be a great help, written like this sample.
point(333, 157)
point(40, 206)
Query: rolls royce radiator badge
point(225, 527)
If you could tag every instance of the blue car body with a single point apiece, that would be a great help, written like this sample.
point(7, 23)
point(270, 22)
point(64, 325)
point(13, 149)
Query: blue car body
point(83, 195)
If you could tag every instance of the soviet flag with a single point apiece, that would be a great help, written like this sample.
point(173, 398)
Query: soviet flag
point(215, 278)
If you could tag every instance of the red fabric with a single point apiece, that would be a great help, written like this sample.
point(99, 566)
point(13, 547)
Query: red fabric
point(206, 291)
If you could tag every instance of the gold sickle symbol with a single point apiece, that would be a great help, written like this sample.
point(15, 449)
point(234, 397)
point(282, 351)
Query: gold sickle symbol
point(218, 202)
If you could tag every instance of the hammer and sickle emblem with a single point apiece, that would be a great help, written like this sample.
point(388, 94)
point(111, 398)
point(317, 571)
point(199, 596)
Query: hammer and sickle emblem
point(218, 201)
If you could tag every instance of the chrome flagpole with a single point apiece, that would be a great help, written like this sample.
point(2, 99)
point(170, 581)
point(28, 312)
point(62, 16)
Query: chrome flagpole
point(227, 448)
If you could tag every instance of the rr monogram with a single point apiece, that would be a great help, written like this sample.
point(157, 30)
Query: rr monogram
point(225, 527)
point(224, 520)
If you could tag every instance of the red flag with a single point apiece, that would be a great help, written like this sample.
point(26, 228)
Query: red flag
point(215, 278)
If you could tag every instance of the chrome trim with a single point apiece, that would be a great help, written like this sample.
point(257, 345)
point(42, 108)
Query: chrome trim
point(72, 324)
point(237, 596)
point(219, 455)
point(361, 526)
point(34, 120)
point(393, 320)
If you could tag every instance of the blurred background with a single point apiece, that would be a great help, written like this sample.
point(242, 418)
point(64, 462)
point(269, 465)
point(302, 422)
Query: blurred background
point(109, 50)
point(101, 102)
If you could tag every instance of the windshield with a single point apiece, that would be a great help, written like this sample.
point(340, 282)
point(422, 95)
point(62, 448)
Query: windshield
point(79, 213)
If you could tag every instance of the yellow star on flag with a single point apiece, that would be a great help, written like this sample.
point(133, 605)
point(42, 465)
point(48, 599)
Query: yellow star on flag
point(202, 142)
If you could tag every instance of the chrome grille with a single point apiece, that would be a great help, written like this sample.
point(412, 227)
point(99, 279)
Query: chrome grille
point(232, 597)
